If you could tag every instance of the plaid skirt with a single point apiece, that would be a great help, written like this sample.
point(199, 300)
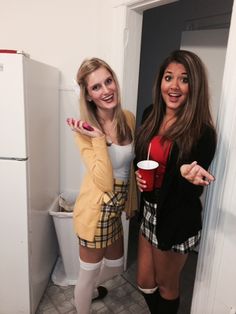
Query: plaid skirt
point(109, 228)
point(149, 226)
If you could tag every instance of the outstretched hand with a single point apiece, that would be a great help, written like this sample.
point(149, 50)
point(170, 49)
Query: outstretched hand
point(195, 174)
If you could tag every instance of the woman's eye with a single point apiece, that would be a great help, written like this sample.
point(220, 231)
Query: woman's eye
point(168, 78)
point(185, 80)
point(95, 87)
point(109, 81)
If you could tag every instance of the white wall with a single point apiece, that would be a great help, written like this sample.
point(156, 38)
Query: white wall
point(61, 33)
point(214, 290)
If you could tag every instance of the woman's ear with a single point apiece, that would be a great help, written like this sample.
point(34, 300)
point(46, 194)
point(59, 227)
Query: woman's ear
point(87, 96)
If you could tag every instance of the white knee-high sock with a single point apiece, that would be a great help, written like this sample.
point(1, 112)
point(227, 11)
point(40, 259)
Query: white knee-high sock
point(88, 275)
point(110, 268)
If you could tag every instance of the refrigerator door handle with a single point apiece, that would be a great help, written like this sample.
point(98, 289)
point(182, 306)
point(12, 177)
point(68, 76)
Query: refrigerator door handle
point(13, 158)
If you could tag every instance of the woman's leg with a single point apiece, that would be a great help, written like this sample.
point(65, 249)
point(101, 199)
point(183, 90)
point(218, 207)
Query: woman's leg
point(168, 267)
point(90, 265)
point(96, 266)
point(146, 278)
point(113, 262)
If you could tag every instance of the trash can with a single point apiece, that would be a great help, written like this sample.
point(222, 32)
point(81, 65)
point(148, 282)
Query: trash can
point(67, 266)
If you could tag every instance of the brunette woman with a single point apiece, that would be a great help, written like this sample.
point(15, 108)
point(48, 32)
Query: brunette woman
point(180, 130)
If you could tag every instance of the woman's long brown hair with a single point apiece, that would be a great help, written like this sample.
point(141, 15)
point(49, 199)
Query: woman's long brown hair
point(190, 118)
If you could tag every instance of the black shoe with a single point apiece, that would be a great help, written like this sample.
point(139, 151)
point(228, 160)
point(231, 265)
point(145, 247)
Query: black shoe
point(102, 292)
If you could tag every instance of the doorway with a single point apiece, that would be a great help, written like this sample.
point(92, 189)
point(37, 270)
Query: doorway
point(165, 41)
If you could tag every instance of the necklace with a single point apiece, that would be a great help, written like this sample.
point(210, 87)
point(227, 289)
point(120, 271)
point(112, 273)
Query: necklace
point(109, 140)
point(109, 129)
point(109, 133)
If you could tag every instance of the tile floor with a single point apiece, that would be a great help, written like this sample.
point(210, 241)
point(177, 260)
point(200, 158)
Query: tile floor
point(123, 297)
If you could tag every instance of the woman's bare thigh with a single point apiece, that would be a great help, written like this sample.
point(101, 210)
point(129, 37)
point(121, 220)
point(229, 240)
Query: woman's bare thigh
point(145, 268)
point(116, 250)
point(113, 251)
point(168, 267)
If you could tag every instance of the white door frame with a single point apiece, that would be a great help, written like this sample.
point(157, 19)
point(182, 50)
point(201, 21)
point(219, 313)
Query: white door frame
point(127, 28)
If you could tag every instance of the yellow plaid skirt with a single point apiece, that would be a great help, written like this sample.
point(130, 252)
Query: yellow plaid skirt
point(109, 228)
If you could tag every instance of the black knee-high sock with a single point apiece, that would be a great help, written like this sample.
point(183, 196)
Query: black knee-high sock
point(152, 301)
point(167, 306)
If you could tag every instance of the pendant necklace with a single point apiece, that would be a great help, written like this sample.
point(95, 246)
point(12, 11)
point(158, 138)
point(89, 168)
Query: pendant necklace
point(108, 136)
point(107, 133)
point(108, 141)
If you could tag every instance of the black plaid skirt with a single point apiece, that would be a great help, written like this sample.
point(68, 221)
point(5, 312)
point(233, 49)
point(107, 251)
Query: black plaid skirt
point(149, 226)
point(109, 228)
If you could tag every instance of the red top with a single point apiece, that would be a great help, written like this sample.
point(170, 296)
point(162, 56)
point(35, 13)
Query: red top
point(160, 153)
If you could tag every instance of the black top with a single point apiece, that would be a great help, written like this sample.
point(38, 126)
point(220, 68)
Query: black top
point(179, 207)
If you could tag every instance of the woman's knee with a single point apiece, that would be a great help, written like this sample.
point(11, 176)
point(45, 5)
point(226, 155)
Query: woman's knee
point(169, 289)
point(90, 255)
point(145, 282)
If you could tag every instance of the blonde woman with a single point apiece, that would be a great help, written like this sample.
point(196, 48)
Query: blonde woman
point(105, 137)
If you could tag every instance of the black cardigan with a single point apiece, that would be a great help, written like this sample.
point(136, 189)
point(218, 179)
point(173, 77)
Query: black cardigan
point(179, 207)
point(179, 210)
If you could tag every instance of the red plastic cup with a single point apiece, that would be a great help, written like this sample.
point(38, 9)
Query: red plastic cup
point(147, 169)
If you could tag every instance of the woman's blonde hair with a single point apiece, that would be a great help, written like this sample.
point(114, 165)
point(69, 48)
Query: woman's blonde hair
point(88, 109)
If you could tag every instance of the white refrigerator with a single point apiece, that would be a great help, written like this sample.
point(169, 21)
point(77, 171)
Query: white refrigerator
point(29, 179)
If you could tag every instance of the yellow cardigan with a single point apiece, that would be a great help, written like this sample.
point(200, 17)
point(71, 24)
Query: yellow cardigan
point(98, 180)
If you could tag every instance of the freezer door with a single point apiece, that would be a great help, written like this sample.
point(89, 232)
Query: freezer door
point(12, 106)
point(14, 270)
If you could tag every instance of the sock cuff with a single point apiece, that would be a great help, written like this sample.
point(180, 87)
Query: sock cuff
point(89, 266)
point(148, 291)
point(114, 262)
